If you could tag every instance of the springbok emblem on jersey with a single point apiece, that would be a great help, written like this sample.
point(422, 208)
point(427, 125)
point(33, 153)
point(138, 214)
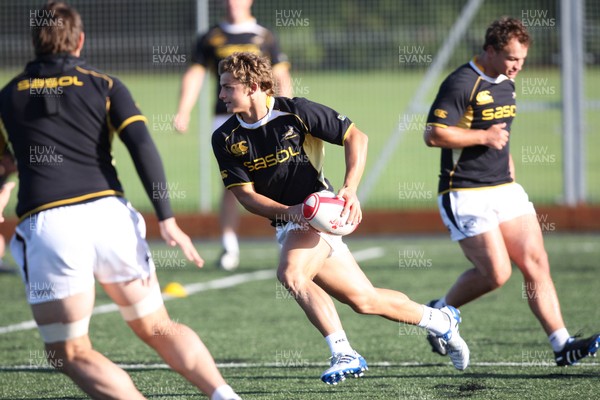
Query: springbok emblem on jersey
point(289, 134)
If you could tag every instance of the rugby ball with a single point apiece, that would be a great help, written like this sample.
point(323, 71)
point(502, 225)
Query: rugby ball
point(322, 211)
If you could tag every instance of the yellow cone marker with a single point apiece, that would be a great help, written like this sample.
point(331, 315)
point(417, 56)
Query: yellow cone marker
point(175, 289)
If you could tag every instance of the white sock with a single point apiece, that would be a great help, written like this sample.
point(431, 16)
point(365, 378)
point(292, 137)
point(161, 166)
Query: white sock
point(230, 242)
point(338, 343)
point(434, 321)
point(559, 338)
point(224, 392)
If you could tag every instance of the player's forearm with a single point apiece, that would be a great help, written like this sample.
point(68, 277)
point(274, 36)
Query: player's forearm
point(281, 73)
point(264, 206)
point(191, 84)
point(355, 148)
point(5, 197)
point(149, 167)
point(452, 137)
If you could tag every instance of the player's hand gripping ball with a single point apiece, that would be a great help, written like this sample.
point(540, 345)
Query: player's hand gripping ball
point(322, 211)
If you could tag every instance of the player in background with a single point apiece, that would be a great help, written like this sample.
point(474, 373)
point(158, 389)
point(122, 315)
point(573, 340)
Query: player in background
point(7, 168)
point(5, 191)
point(270, 153)
point(60, 116)
point(239, 32)
point(486, 211)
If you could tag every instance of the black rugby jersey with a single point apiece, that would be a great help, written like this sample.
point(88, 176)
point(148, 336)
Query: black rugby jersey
point(224, 39)
point(472, 100)
point(283, 153)
point(60, 116)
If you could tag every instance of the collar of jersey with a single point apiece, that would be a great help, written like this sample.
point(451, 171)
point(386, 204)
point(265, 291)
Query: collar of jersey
point(479, 69)
point(52, 64)
point(244, 27)
point(263, 121)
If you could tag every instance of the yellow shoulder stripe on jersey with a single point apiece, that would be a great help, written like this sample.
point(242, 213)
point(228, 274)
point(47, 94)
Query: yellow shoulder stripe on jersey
point(301, 121)
point(436, 124)
point(4, 142)
point(3, 137)
point(347, 131)
point(239, 184)
point(474, 88)
point(456, 155)
point(315, 151)
point(282, 64)
point(466, 120)
point(111, 128)
point(131, 120)
point(232, 132)
point(96, 74)
point(72, 200)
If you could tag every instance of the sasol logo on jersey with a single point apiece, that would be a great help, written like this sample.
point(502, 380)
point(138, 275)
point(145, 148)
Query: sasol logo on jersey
point(228, 49)
point(270, 160)
point(39, 83)
point(239, 148)
point(499, 112)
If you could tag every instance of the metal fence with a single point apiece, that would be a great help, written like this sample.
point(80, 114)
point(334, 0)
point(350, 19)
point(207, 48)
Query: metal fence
point(368, 58)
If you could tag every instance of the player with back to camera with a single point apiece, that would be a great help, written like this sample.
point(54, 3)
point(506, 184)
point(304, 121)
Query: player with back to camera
point(486, 211)
point(313, 265)
point(238, 32)
point(76, 226)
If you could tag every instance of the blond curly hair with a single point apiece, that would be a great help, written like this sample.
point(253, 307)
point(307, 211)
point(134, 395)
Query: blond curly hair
point(249, 68)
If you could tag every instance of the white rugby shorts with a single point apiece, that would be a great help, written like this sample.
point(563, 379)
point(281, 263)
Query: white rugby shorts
point(61, 250)
point(335, 242)
point(468, 213)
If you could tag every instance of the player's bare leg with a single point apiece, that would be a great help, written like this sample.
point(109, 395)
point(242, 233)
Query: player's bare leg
point(520, 241)
point(229, 218)
point(491, 253)
point(488, 254)
point(3, 267)
point(525, 244)
point(311, 276)
point(177, 344)
point(302, 257)
point(344, 279)
point(95, 374)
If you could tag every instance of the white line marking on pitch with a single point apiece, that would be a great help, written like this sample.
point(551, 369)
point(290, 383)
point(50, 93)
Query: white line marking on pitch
point(368, 254)
point(192, 288)
point(381, 364)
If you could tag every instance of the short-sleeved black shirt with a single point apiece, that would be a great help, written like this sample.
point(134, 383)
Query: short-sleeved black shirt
point(282, 154)
point(60, 116)
point(470, 99)
point(224, 39)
